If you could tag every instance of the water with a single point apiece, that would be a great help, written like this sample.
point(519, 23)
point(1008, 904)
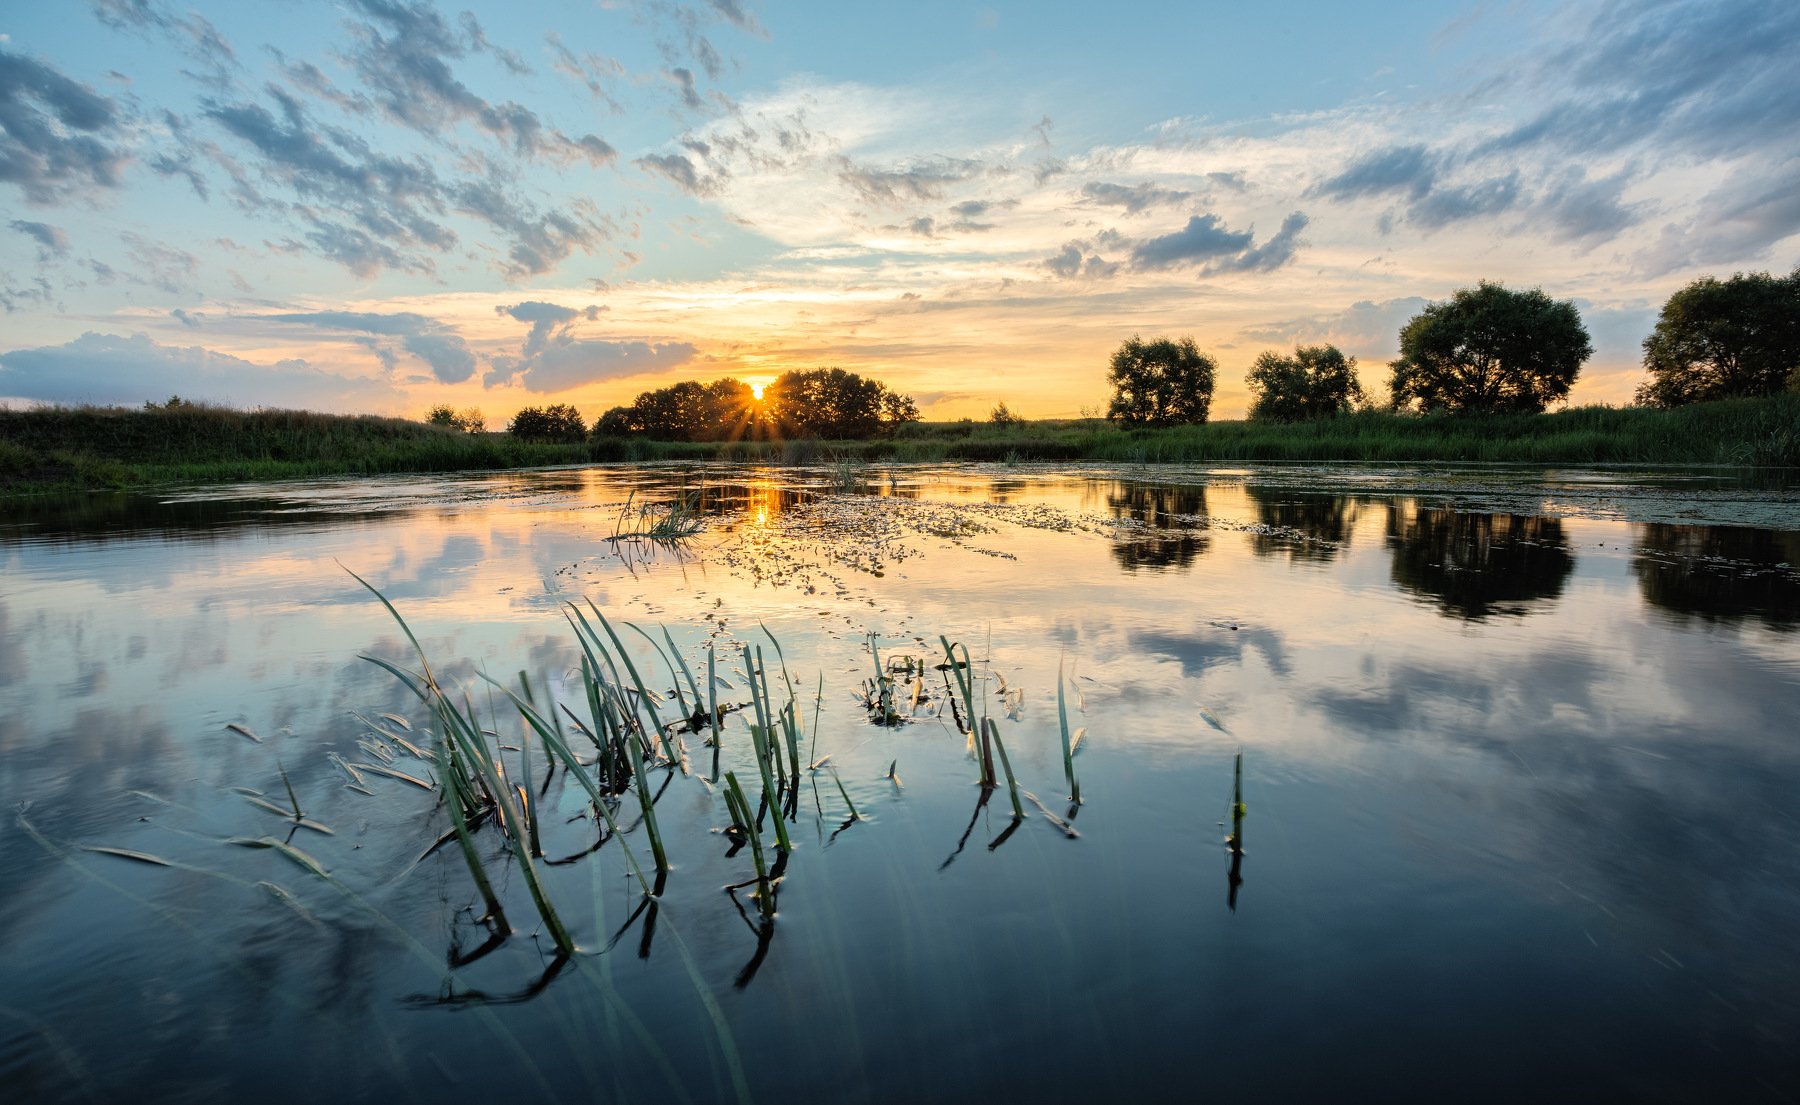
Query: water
point(1519, 766)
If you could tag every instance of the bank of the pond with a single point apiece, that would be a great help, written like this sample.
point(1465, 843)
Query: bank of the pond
point(93, 447)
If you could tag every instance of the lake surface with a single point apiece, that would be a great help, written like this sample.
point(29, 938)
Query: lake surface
point(1520, 766)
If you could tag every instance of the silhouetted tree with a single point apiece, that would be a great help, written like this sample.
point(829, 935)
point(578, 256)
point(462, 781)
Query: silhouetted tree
point(560, 422)
point(469, 420)
point(833, 403)
point(1318, 381)
point(1719, 339)
point(616, 422)
point(826, 402)
point(1160, 383)
point(1002, 415)
point(1488, 350)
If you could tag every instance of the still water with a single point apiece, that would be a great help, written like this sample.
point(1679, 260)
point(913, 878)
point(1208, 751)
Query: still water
point(1521, 779)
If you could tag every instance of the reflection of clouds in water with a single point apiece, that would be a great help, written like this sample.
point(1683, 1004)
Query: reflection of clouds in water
point(1477, 565)
point(1670, 824)
point(15, 668)
point(1212, 647)
point(90, 680)
point(74, 779)
point(1720, 573)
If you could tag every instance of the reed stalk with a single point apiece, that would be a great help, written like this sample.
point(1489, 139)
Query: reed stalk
point(1068, 747)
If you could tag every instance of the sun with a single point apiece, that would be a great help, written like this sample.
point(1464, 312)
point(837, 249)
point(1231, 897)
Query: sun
point(757, 384)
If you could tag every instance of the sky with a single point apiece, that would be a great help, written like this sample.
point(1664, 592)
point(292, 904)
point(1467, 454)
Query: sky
point(385, 205)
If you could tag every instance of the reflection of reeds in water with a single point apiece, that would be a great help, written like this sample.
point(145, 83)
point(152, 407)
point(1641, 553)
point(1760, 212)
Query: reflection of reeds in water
point(488, 787)
point(1234, 843)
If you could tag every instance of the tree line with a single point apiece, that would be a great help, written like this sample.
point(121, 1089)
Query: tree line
point(1485, 350)
point(1491, 350)
point(818, 403)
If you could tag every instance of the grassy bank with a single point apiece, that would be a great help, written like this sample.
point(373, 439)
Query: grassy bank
point(89, 447)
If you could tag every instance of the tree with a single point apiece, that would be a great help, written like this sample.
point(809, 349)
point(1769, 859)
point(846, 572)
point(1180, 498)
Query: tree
point(469, 420)
point(833, 403)
point(1002, 415)
point(1160, 383)
point(561, 422)
point(1318, 381)
point(1488, 350)
point(1721, 339)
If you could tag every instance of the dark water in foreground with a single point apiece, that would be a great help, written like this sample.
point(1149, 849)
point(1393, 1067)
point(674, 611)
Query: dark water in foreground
point(1523, 799)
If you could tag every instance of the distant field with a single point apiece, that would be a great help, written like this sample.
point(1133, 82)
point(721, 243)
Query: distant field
point(98, 447)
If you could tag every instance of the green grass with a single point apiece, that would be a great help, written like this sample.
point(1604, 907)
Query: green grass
point(59, 448)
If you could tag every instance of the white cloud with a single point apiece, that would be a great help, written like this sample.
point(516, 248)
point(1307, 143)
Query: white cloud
point(108, 369)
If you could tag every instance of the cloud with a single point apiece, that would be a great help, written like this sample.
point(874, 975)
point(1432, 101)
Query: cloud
point(683, 79)
point(592, 70)
point(51, 240)
point(1743, 219)
point(444, 351)
point(1366, 327)
point(108, 369)
point(921, 181)
point(680, 169)
point(1449, 204)
point(545, 319)
point(1203, 239)
point(1075, 261)
point(1417, 175)
point(1410, 170)
point(402, 54)
point(168, 268)
point(15, 297)
point(1269, 256)
point(56, 135)
point(734, 13)
point(1579, 209)
point(569, 362)
point(554, 359)
point(189, 319)
point(540, 240)
point(191, 33)
point(1134, 198)
point(1716, 80)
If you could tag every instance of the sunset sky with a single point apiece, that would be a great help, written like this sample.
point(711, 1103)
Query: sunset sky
point(382, 205)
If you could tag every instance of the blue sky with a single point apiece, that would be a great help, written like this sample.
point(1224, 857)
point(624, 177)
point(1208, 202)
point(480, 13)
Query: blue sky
point(380, 205)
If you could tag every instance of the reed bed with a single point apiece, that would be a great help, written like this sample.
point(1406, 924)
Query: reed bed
point(60, 447)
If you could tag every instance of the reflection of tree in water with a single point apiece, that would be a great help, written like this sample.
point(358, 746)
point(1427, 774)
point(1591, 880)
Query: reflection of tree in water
point(1477, 565)
point(1720, 573)
point(1169, 537)
point(1325, 521)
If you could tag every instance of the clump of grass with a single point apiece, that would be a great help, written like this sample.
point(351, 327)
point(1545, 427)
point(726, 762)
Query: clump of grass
point(673, 521)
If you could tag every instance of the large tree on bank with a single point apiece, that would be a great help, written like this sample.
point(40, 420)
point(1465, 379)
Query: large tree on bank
point(1720, 339)
point(1160, 383)
point(1490, 350)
